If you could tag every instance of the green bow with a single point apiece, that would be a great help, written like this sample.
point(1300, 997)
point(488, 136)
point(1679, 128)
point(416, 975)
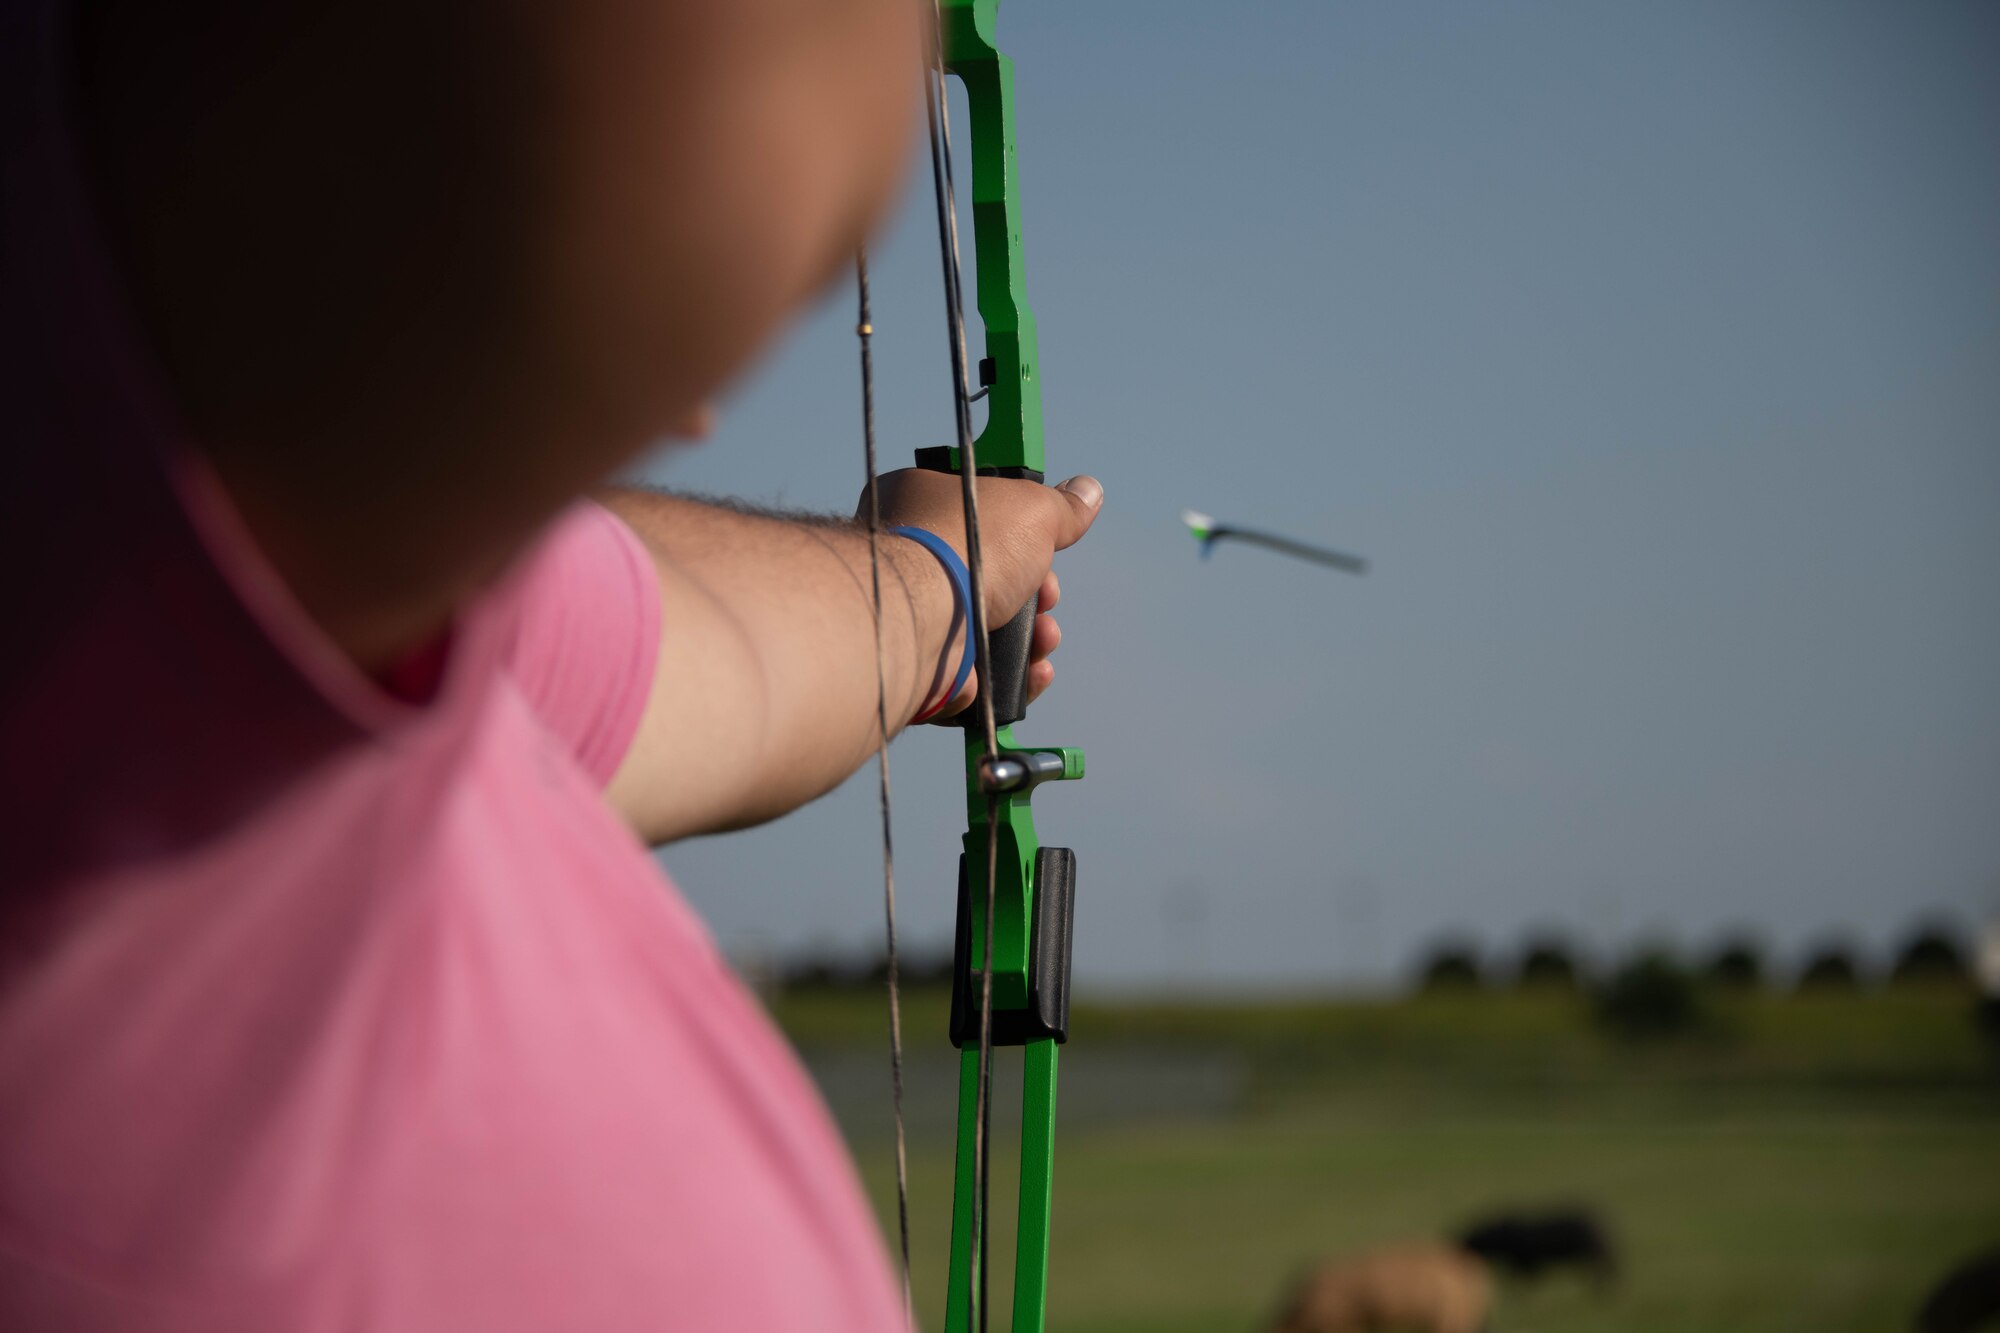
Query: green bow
point(1012, 954)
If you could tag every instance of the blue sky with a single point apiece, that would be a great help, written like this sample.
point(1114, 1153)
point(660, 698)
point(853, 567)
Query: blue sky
point(1652, 353)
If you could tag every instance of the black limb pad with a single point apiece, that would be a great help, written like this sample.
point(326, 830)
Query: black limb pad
point(1047, 1014)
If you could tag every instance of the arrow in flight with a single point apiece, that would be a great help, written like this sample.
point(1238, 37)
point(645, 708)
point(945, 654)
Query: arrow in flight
point(1208, 532)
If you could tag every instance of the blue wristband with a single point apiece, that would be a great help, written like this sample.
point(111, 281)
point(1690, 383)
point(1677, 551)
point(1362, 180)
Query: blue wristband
point(961, 603)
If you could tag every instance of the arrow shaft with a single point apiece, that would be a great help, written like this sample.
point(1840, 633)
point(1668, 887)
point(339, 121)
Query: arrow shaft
point(1320, 555)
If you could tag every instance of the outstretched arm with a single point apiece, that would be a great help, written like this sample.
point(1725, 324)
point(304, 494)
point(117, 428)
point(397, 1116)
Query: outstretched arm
point(764, 695)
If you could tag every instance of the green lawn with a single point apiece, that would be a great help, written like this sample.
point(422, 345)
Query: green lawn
point(1806, 1163)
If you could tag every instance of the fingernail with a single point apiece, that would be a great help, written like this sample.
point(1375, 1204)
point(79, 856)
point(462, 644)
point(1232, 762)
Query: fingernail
point(1085, 489)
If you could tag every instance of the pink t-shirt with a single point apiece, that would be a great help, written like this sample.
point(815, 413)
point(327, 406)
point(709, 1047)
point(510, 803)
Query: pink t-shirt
point(321, 1010)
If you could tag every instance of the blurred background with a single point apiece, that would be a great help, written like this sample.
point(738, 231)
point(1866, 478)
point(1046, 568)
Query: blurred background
point(1624, 843)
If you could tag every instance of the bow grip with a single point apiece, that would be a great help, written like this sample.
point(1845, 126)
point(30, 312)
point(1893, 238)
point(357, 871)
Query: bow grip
point(1006, 647)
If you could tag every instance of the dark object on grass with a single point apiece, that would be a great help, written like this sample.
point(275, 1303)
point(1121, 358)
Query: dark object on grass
point(1529, 1244)
point(1830, 967)
point(1736, 964)
point(1933, 955)
point(1427, 1288)
point(1650, 998)
point(1986, 1021)
point(1965, 1299)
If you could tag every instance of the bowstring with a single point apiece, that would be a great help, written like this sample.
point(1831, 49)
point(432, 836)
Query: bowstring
point(937, 110)
point(864, 330)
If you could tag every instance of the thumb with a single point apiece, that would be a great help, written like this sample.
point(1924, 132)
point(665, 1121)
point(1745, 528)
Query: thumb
point(1084, 499)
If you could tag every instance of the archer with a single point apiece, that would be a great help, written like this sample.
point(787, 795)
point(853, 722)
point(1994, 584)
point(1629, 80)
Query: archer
point(339, 990)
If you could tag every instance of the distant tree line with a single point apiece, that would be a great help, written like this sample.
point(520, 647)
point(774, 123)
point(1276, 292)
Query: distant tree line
point(1932, 953)
point(1653, 992)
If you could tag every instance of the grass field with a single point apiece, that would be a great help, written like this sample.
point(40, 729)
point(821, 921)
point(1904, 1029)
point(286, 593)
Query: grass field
point(1808, 1162)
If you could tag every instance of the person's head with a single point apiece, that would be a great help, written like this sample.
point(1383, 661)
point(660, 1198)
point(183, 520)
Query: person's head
point(718, 164)
point(467, 259)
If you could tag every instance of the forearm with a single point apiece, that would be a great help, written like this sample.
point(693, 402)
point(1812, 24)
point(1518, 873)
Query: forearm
point(765, 693)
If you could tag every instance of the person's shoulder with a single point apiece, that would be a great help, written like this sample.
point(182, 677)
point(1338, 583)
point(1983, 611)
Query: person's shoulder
point(583, 615)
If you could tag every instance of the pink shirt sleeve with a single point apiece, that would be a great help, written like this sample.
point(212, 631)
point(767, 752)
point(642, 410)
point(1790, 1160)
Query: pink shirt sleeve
point(586, 635)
